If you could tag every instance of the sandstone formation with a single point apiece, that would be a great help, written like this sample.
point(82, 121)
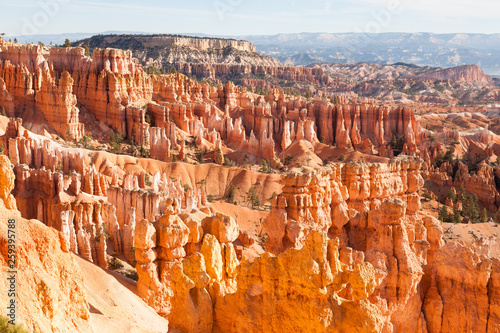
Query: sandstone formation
point(186, 288)
point(347, 246)
point(466, 73)
point(463, 293)
point(209, 58)
point(354, 234)
point(49, 285)
point(374, 212)
point(481, 184)
point(152, 111)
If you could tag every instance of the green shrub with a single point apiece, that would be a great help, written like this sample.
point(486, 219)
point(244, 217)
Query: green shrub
point(201, 155)
point(484, 216)
point(470, 207)
point(5, 327)
point(265, 167)
point(253, 198)
point(451, 195)
point(132, 274)
point(228, 162)
point(115, 263)
point(147, 179)
point(287, 159)
point(85, 142)
point(427, 196)
point(230, 193)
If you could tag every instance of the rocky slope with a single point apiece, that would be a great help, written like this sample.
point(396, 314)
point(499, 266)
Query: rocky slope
point(407, 83)
point(113, 89)
point(207, 58)
point(50, 297)
point(467, 73)
point(227, 59)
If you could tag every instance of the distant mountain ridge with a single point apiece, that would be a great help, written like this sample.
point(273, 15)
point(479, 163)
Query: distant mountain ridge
point(424, 49)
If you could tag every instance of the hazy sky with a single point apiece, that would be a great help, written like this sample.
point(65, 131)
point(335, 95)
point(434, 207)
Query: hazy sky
point(245, 17)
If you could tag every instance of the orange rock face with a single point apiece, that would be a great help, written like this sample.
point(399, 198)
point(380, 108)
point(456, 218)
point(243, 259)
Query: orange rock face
point(185, 289)
point(482, 183)
point(49, 285)
point(347, 232)
point(463, 294)
point(31, 85)
point(118, 93)
point(373, 209)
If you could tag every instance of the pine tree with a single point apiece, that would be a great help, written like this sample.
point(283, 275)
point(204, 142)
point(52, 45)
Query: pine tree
point(456, 216)
point(230, 194)
point(497, 216)
point(451, 195)
point(308, 95)
point(443, 214)
point(67, 43)
point(87, 51)
point(484, 216)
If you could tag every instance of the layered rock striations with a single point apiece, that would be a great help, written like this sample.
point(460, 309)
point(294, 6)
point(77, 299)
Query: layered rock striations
point(467, 73)
point(373, 210)
point(463, 292)
point(52, 81)
point(49, 284)
point(352, 252)
point(62, 188)
point(151, 110)
point(34, 87)
point(211, 290)
point(211, 58)
point(348, 248)
point(481, 183)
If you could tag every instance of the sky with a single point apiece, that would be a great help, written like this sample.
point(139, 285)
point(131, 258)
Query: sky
point(246, 17)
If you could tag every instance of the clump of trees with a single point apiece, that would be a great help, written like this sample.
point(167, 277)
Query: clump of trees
point(153, 70)
point(265, 167)
point(470, 209)
point(228, 162)
point(147, 179)
point(253, 198)
point(397, 142)
point(85, 142)
point(87, 51)
point(201, 156)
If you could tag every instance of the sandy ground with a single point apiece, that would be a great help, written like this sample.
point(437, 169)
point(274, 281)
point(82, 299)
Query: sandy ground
point(218, 178)
point(248, 220)
point(114, 303)
point(481, 236)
